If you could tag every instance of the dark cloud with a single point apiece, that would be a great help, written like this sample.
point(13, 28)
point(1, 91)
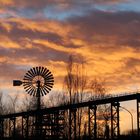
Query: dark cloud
point(43, 3)
point(45, 8)
point(10, 71)
point(132, 63)
point(118, 27)
point(17, 33)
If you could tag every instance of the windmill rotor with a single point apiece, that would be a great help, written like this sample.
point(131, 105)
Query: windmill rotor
point(38, 77)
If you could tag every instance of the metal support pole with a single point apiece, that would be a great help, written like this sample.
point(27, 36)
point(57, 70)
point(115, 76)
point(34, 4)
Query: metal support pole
point(138, 117)
point(112, 131)
point(38, 124)
point(60, 122)
point(115, 125)
point(1, 129)
point(92, 122)
point(25, 126)
point(22, 128)
point(74, 115)
point(12, 127)
point(95, 123)
point(38, 95)
point(118, 120)
point(89, 127)
point(72, 124)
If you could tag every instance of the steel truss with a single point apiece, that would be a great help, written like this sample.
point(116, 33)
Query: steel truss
point(1, 128)
point(138, 116)
point(28, 126)
point(72, 123)
point(53, 120)
point(115, 126)
point(12, 127)
point(53, 124)
point(92, 125)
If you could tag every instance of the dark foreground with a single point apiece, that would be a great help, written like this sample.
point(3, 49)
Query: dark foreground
point(83, 138)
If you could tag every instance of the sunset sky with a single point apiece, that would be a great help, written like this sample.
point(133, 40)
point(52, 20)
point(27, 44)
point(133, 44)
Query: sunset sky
point(106, 33)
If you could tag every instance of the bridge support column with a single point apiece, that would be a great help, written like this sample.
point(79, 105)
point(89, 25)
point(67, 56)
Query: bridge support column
point(60, 124)
point(115, 125)
point(138, 117)
point(12, 127)
point(25, 126)
point(92, 124)
point(53, 125)
point(1, 129)
point(72, 124)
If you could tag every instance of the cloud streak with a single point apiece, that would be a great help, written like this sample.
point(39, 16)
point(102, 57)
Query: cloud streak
point(60, 9)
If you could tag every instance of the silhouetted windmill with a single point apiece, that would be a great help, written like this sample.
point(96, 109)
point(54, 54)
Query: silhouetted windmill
point(37, 82)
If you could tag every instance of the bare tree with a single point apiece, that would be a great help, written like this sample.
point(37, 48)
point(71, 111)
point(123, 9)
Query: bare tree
point(75, 81)
point(57, 99)
point(29, 103)
point(98, 87)
point(3, 109)
point(99, 90)
point(75, 85)
point(68, 81)
point(1, 104)
point(13, 103)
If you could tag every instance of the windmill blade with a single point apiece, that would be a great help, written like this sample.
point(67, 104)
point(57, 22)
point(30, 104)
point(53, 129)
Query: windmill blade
point(46, 90)
point(27, 74)
point(43, 91)
point(30, 91)
point(48, 74)
point(27, 78)
point(32, 72)
point(41, 70)
point(27, 83)
point(47, 87)
point(34, 69)
point(45, 73)
point(35, 91)
point(49, 82)
point(27, 86)
point(37, 70)
point(49, 79)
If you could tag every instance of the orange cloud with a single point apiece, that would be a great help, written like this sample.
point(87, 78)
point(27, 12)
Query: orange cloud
point(8, 43)
point(6, 2)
